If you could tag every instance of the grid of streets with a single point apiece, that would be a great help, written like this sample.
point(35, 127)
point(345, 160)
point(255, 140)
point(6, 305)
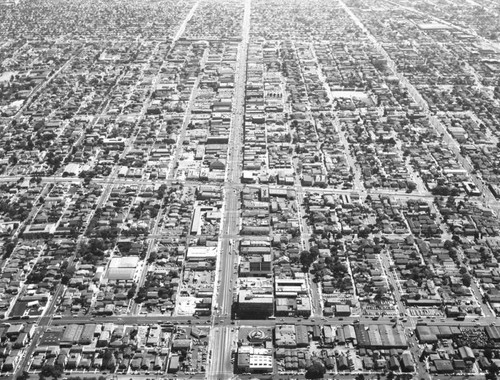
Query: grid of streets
point(220, 189)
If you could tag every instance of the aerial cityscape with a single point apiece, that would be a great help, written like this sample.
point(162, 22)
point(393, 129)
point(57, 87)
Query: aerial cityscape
point(249, 189)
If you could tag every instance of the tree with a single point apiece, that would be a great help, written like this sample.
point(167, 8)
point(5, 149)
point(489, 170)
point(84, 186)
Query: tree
point(69, 272)
point(492, 372)
point(411, 186)
point(9, 248)
point(161, 191)
point(24, 376)
point(165, 292)
point(466, 279)
point(13, 159)
point(315, 371)
point(314, 251)
point(448, 244)
point(131, 291)
point(379, 295)
point(50, 371)
point(363, 232)
point(306, 258)
point(488, 353)
point(141, 295)
point(108, 360)
point(152, 257)
point(173, 273)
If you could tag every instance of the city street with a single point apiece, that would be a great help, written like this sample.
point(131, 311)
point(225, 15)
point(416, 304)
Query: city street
point(220, 364)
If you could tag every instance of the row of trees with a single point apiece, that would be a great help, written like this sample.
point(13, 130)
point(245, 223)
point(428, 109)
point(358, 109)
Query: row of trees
point(55, 372)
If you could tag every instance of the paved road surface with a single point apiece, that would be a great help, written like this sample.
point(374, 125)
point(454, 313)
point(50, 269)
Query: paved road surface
point(228, 322)
point(220, 363)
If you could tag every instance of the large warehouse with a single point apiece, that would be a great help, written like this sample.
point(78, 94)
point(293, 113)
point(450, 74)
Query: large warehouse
point(122, 268)
point(380, 336)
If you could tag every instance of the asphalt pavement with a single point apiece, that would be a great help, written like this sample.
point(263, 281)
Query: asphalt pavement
point(220, 363)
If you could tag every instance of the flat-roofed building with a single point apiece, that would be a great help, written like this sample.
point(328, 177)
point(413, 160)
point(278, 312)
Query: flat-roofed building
point(252, 304)
point(123, 268)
